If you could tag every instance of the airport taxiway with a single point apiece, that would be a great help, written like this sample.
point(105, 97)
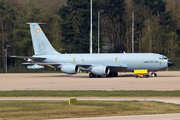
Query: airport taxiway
point(125, 81)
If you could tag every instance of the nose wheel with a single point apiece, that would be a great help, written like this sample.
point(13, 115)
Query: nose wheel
point(153, 74)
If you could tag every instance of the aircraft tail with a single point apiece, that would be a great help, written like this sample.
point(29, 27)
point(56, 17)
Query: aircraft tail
point(41, 44)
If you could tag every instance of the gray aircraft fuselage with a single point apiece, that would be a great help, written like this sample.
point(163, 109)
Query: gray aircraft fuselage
point(149, 61)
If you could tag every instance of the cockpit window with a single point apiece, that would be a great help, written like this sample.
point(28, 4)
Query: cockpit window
point(163, 58)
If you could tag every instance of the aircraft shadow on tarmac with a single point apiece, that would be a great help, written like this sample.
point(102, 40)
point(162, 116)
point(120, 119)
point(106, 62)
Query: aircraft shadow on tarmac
point(87, 76)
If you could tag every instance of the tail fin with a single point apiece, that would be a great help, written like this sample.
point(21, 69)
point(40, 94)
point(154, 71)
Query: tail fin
point(40, 42)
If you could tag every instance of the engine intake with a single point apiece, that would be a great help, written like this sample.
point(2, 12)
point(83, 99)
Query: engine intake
point(70, 69)
point(100, 70)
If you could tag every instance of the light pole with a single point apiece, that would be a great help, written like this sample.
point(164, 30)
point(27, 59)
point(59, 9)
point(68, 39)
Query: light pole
point(6, 55)
point(98, 28)
point(6, 59)
point(91, 28)
point(133, 31)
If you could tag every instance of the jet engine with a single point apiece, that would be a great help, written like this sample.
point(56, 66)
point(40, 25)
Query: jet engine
point(35, 66)
point(28, 60)
point(100, 70)
point(70, 69)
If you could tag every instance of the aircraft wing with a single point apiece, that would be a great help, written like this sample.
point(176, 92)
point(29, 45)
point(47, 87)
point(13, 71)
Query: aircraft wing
point(50, 64)
point(117, 66)
point(82, 66)
point(29, 57)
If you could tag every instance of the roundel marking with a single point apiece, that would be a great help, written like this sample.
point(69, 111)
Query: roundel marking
point(54, 60)
point(37, 30)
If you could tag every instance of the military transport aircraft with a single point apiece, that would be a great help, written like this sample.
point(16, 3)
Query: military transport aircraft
point(96, 64)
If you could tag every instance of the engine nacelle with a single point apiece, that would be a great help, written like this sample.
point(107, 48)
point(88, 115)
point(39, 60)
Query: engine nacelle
point(70, 69)
point(35, 66)
point(100, 70)
point(28, 59)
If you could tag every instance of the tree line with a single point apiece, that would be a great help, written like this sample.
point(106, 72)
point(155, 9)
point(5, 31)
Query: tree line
point(157, 26)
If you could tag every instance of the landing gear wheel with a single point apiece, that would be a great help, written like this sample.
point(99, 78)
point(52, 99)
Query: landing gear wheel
point(116, 74)
point(112, 74)
point(146, 76)
point(153, 74)
point(91, 75)
point(108, 75)
point(98, 76)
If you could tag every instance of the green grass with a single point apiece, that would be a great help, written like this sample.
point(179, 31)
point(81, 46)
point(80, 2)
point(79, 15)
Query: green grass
point(90, 93)
point(21, 110)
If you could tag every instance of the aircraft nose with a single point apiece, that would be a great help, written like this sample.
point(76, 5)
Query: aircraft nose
point(170, 63)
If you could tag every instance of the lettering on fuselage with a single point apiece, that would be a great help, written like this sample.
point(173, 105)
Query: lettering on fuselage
point(150, 61)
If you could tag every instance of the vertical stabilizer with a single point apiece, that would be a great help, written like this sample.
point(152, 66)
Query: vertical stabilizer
point(40, 42)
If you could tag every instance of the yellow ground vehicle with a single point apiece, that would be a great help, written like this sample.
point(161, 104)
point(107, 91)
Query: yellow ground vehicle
point(141, 73)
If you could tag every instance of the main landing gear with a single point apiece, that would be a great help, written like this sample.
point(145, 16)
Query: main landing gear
point(91, 75)
point(111, 74)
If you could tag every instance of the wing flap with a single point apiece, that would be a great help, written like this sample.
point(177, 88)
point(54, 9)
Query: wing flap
point(118, 66)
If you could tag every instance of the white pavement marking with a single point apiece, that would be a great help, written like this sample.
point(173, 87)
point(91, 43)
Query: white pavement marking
point(160, 99)
point(133, 117)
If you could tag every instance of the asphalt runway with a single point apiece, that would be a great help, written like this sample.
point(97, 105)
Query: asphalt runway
point(125, 81)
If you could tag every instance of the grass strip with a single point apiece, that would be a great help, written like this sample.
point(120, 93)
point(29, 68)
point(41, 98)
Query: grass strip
point(89, 93)
point(34, 110)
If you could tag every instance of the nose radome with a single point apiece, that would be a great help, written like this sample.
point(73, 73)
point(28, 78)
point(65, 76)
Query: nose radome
point(170, 63)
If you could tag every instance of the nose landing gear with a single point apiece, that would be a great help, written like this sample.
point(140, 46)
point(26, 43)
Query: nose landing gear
point(153, 74)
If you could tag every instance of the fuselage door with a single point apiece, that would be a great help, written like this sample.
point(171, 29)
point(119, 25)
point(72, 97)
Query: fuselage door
point(74, 60)
point(116, 59)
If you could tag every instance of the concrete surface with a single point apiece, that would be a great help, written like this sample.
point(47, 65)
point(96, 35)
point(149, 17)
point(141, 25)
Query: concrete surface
point(81, 81)
point(133, 117)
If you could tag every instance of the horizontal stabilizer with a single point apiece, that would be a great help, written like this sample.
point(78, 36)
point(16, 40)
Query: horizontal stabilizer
point(26, 64)
point(29, 57)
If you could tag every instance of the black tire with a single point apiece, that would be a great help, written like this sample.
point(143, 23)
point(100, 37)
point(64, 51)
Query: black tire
point(91, 75)
point(108, 75)
point(98, 76)
point(116, 74)
point(113, 74)
point(153, 74)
